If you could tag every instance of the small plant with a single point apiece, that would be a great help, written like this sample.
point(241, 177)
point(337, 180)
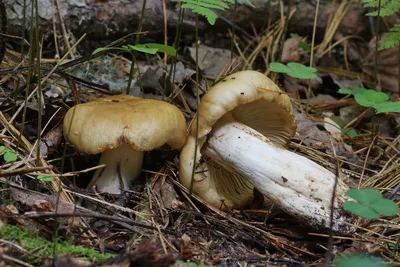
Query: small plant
point(150, 48)
point(8, 154)
point(371, 98)
point(346, 131)
point(369, 203)
point(302, 44)
point(394, 247)
point(295, 70)
point(205, 7)
point(386, 8)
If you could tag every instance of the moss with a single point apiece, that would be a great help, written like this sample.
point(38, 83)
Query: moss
point(41, 247)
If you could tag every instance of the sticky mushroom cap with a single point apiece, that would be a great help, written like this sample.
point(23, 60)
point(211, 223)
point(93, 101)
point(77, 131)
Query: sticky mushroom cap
point(109, 122)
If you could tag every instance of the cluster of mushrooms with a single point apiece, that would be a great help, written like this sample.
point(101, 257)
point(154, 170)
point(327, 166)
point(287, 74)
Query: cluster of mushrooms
point(245, 125)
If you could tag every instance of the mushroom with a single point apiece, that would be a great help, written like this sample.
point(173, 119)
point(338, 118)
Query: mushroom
point(245, 125)
point(122, 127)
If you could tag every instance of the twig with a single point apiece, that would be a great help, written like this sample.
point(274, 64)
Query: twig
point(116, 207)
point(328, 256)
point(366, 160)
point(12, 259)
point(24, 170)
point(64, 31)
point(74, 173)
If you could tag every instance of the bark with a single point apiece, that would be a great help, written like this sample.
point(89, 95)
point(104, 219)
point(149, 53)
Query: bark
point(112, 19)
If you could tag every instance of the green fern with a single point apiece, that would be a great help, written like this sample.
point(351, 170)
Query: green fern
point(392, 38)
point(205, 7)
point(387, 8)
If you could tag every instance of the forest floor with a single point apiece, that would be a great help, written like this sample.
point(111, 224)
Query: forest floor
point(48, 216)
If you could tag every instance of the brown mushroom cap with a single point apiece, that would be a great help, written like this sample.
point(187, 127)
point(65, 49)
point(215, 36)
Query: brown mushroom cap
point(109, 122)
point(254, 100)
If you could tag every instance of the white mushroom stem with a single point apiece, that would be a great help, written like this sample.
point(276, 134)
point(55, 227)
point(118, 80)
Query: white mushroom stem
point(123, 166)
point(296, 184)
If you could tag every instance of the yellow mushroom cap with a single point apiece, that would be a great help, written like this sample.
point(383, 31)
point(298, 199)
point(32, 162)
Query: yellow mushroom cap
point(109, 122)
point(254, 100)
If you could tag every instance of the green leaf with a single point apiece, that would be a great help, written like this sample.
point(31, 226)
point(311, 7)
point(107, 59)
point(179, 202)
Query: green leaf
point(293, 69)
point(350, 132)
point(303, 45)
point(360, 210)
point(3, 150)
point(387, 107)
point(359, 90)
point(45, 178)
point(364, 196)
point(359, 260)
point(370, 97)
point(278, 67)
point(370, 203)
point(345, 91)
point(249, 3)
point(210, 15)
point(338, 120)
point(391, 38)
point(355, 91)
point(143, 49)
point(293, 35)
point(386, 207)
point(207, 3)
point(98, 50)
point(162, 48)
point(10, 156)
point(300, 71)
point(205, 7)
point(394, 247)
point(386, 8)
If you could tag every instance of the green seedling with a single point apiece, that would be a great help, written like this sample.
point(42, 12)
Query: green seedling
point(205, 7)
point(8, 154)
point(371, 98)
point(359, 260)
point(302, 44)
point(394, 247)
point(350, 132)
point(369, 203)
point(44, 178)
point(295, 70)
point(346, 131)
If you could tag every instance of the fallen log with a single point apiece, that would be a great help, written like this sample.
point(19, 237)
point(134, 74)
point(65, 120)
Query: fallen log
point(112, 19)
